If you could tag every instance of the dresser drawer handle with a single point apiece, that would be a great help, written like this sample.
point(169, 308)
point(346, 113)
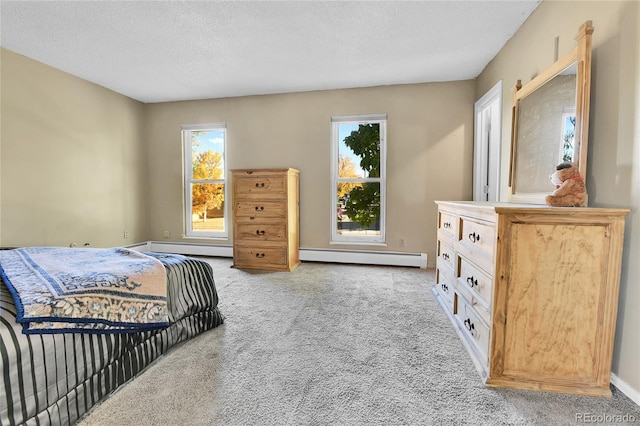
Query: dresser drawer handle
point(260, 255)
point(260, 185)
point(260, 232)
point(445, 287)
point(474, 237)
point(472, 281)
point(445, 256)
point(446, 225)
point(470, 326)
point(259, 209)
point(249, 172)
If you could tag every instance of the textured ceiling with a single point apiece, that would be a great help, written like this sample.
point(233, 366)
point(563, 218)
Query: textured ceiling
point(156, 51)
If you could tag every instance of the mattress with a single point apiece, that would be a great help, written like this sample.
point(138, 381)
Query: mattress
point(53, 379)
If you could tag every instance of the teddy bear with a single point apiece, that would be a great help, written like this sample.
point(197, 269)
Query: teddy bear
point(570, 188)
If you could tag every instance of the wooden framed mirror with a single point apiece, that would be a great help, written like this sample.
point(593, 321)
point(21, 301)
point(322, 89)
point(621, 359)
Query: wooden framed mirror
point(551, 122)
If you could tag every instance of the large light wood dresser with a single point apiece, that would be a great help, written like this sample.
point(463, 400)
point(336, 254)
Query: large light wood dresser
point(266, 219)
point(532, 291)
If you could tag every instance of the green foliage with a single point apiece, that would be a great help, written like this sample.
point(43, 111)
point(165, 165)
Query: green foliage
point(363, 204)
point(365, 143)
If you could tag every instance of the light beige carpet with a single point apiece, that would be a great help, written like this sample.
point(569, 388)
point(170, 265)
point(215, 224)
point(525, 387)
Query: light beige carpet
point(331, 344)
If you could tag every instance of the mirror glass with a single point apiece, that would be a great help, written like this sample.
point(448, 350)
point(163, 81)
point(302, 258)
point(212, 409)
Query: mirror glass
point(551, 122)
point(546, 131)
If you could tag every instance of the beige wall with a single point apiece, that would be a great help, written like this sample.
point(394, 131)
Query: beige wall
point(613, 177)
point(73, 166)
point(429, 140)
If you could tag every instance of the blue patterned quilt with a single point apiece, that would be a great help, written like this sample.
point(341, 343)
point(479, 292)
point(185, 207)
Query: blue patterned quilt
point(85, 290)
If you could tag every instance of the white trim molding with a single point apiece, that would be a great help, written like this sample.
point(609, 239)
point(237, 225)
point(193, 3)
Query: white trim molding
point(364, 257)
point(140, 246)
point(418, 260)
point(486, 145)
point(625, 388)
point(195, 249)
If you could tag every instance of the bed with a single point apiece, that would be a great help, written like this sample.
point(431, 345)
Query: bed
point(56, 378)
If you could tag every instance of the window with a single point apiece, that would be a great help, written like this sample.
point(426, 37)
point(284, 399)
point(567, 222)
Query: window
point(204, 180)
point(568, 136)
point(359, 179)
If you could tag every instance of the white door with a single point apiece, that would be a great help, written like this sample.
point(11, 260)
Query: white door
point(486, 160)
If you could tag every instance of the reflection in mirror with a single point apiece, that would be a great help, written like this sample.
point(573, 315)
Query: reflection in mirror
point(551, 122)
point(546, 132)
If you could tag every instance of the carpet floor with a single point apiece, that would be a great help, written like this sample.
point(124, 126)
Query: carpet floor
point(333, 344)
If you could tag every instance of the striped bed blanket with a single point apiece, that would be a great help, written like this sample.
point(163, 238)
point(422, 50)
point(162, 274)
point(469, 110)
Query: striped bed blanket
point(85, 290)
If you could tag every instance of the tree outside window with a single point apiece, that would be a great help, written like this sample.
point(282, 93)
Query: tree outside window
point(359, 180)
point(205, 181)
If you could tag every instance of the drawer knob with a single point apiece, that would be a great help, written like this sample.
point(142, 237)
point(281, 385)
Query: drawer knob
point(470, 326)
point(445, 256)
point(260, 185)
point(474, 237)
point(445, 287)
point(259, 209)
point(472, 281)
point(446, 225)
point(259, 255)
point(249, 172)
point(260, 232)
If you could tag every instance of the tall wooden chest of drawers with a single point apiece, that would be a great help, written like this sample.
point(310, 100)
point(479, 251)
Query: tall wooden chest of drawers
point(266, 219)
point(532, 291)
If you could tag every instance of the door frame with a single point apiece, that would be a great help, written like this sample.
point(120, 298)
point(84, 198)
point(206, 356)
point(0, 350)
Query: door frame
point(487, 150)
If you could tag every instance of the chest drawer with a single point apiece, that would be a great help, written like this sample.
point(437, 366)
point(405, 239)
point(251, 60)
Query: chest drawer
point(260, 208)
point(473, 327)
point(260, 257)
point(252, 231)
point(260, 185)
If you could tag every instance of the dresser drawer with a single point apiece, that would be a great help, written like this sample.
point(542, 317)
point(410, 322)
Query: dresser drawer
point(255, 230)
point(473, 327)
point(448, 224)
point(260, 208)
point(446, 255)
point(260, 257)
point(478, 283)
point(478, 237)
point(444, 286)
point(473, 301)
point(260, 185)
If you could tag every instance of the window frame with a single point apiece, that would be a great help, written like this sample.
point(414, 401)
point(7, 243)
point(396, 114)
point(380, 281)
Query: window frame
point(187, 178)
point(336, 121)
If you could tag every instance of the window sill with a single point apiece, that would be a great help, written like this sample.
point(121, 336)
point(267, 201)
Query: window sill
point(203, 237)
point(358, 243)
